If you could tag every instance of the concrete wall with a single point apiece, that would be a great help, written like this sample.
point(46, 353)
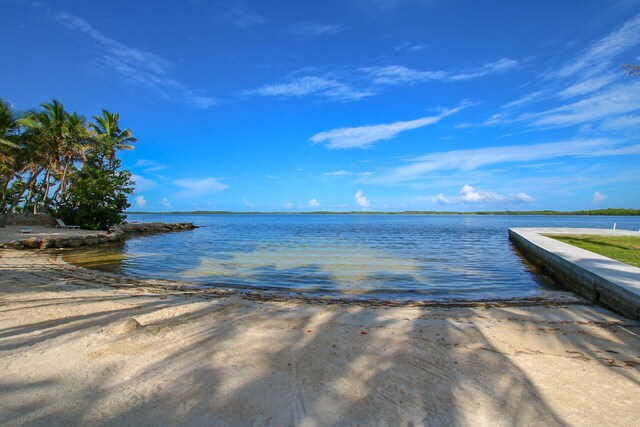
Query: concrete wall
point(37, 220)
point(591, 285)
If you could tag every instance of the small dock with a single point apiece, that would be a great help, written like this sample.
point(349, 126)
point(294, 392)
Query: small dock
point(610, 283)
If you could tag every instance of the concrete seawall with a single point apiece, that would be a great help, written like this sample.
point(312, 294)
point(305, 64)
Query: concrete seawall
point(610, 283)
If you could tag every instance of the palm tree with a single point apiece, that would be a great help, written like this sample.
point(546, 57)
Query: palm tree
point(9, 134)
point(108, 134)
point(46, 134)
point(73, 148)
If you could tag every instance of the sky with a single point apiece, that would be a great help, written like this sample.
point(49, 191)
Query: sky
point(348, 105)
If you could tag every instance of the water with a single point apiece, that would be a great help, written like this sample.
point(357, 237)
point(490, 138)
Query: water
point(374, 256)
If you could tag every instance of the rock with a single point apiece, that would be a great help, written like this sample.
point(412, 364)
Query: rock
point(131, 325)
point(31, 243)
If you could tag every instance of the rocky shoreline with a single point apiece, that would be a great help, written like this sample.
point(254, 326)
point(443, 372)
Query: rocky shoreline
point(66, 238)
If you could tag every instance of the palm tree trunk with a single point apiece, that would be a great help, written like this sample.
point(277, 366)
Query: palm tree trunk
point(26, 187)
point(47, 182)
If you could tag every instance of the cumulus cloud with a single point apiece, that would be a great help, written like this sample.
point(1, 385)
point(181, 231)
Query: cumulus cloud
point(471, 195)
point(141, 202)
point(365, 136)
point(165, 202)
point(361, 200)
point(598, 198)
point(314, 203)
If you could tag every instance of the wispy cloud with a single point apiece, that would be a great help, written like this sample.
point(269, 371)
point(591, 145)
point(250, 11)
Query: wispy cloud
point(137, 67)
point(397, 74)
point(149, 165)
point(241, 15)
point(312, 85)
point(410, 47)
point(314, 203)
point(599, 55)
point(618, 99)
point(337, 173)
point(361, 200)
point(142, 183)
point(357, 84)
point(471, 195)
point(365, 136)
point(199, 186)
point(465, 160)
point(315, 29)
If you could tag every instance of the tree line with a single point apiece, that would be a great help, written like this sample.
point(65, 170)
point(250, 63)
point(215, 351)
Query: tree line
point(57, 162)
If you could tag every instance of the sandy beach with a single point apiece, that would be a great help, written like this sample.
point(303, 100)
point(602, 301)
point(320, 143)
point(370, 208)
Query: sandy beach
point(71, 355)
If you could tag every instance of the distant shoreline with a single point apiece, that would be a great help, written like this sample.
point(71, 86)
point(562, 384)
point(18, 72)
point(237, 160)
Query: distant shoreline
point(596, 212)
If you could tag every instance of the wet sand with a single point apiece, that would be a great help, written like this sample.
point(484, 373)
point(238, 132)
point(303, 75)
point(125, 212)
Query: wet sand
point(69, 354)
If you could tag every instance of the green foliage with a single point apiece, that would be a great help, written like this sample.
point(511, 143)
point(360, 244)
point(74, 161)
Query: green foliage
point(53, 161)
point(622, 248)
point(98, 193)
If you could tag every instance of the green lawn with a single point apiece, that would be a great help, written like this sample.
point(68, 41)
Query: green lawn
point(621, 248)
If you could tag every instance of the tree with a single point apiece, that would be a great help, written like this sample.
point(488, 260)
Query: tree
point(108, 134)
point(98, 193)
point(631, 69)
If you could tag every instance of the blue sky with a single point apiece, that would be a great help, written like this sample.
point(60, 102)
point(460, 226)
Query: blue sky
point(347, 105)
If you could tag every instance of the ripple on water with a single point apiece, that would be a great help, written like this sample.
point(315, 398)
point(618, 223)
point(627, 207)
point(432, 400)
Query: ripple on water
point(380, 256)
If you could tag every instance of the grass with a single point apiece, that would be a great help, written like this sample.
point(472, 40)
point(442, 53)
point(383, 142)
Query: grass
point(622, 248)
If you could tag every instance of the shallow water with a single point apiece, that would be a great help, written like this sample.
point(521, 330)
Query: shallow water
point(373, 256)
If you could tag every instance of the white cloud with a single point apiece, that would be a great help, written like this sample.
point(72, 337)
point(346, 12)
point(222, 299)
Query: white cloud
point(142, 184)
point(337, 173)
point(531, 97)
point(198, 186)
point(165, 202)
point(601, 53)
point(241, 15)
point(619, 99)
point(141, 202)
point(622, 123)
point(586, 86)
point(475, 158)
point(411, 47)
point(365, 136)
point(247, 203)
point(598, 197)
point(471, 195)
point(361, 200)
point(396, 74)
point(315, 29)
point(272, 177)
point(149, 165)
point(136, 66)
point(288, 205)
point(312, 85)
point(314, 203)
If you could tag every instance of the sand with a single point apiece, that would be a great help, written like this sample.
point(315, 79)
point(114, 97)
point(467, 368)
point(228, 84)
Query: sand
point(84, 348)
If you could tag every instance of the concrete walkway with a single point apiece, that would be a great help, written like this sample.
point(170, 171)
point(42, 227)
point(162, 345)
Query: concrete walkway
point(612, 283)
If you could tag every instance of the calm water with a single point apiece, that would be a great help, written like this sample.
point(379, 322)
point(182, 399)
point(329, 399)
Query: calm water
point(373, 256)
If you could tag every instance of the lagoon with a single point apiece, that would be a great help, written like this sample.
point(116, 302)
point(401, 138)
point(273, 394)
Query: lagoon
point(399, 257)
